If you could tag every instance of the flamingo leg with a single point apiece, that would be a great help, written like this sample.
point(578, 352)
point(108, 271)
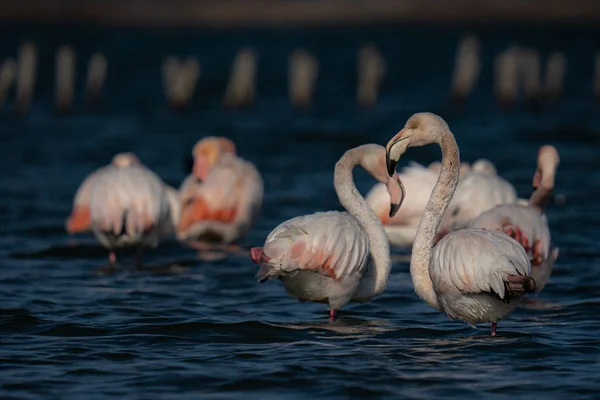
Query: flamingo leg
point(332, 315)
point(494, 325)
point(112, 258)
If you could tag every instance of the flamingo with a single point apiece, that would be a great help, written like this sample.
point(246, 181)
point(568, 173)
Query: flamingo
point(80, 220)
point(335, 257)
point(130, 206)
point(526, 223)
point(222, 197)
point(472, 274)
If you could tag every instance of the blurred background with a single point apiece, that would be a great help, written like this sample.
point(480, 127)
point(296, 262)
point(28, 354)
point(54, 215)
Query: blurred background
point(294, 83)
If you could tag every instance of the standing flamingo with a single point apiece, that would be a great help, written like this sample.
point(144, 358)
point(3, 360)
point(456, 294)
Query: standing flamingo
point(129, 207)
point(527, 223)
point(335, 257)
point(418, 182)
point(475, 275)
point(222, 197)
point(80, 219)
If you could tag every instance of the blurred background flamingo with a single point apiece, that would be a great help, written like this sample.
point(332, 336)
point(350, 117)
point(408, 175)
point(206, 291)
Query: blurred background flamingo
point(222, 196)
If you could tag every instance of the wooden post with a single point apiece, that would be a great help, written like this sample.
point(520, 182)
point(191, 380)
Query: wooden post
point(180, 80)
point(64, 78)
point(371, 72)
point(303, 70)
point(8, 72)
point(466, 69)
point(556, 68)
point(505, 76)
point(529, 67)
point(26, 71)
point(96, 75)
point(241, 88)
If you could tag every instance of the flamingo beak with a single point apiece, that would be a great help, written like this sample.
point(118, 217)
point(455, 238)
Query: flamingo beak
point(396, 191)
point(394, 149)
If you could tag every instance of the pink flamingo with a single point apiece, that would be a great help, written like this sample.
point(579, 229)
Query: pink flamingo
point(130, 207)
point(475, 275)
point(222, 197)
point(80, 219)
point(335, 257)
point(527, 223)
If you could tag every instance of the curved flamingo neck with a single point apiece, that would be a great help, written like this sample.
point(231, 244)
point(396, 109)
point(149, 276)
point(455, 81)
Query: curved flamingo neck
point(432, 217)
point(539, 198)
point(375, 277)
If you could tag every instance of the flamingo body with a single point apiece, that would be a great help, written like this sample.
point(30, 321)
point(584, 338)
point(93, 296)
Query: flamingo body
point(80, 219)
point(129, 207)
point(223, 207)
point(477, 192)
point(471, 272)
point(530, 229)
point(319, 257)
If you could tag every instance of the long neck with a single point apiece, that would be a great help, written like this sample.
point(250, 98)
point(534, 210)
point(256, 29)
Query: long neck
point(540, 196)
point(432, 217)
point(375, 278)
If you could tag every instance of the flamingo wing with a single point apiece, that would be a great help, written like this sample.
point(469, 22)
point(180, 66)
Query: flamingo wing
point(129, 200)
point(232, 191)
point(330, 243)
point(527, 219)
point(477, 261)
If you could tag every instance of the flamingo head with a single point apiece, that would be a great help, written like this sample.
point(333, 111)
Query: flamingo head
point(128, 159)
point(485, 166)
point(548, 161)
point(207, 151)
point(420, 129)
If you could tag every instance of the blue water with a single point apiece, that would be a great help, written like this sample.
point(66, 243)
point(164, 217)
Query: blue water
point(186, 328)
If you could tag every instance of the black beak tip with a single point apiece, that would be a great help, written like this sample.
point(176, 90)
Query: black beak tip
point(394, 209)
point(391, 166)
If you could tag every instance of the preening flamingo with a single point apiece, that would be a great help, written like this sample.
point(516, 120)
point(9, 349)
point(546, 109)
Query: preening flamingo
point(527, 223)
point(130, 207)
point(475, 275)
point(335, 257)
point(80, 219)
point(222, 197)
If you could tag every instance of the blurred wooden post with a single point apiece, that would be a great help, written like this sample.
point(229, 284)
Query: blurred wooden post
point(556, 68)
point(64, 78)
point(242, 86)
point(180, 80)
point(26, 71)
point(529, 68)
point(505, 76)
point(303, 70)
point(466, 69)
point(597, 77)
point(8, 72)
point(96, 75)
point(371, 72)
